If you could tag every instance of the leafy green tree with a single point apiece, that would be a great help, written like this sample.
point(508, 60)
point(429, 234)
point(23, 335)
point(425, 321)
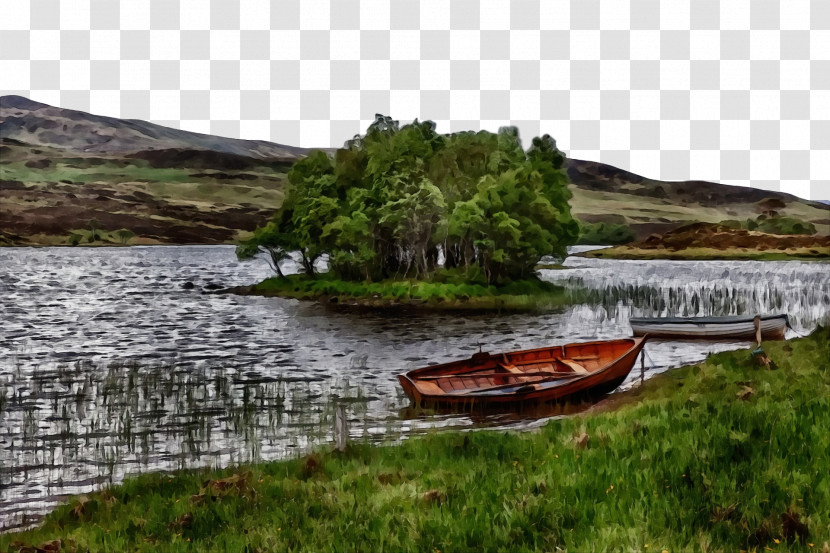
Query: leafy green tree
point(312, 202)
point(269, 241)
point(391, 201)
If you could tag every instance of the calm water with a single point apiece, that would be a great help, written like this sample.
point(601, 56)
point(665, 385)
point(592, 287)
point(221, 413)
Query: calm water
point(110, 366)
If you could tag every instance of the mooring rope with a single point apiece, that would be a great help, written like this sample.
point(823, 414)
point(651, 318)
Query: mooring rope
point(650, 360)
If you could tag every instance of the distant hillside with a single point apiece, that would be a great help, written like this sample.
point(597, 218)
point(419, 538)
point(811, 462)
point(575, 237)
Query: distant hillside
point(67, 175)
point(603, 193)
point(61, 169)
point(67, 129)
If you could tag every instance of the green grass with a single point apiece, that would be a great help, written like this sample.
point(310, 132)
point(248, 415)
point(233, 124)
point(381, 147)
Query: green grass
point(703, 254)
point(720, 456)
point(529, 294)
point(83, 170)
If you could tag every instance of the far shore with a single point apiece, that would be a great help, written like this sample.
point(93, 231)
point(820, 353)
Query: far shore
point(709, 254)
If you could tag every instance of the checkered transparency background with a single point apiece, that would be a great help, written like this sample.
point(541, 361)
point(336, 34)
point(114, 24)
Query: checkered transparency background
point(735, 91)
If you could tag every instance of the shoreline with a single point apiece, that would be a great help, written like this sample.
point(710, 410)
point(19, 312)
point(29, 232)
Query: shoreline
point(707, 254)
point(730, 437)
point(527, 295)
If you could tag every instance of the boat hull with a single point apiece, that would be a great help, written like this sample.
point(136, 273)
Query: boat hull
point(602, 379)
point(724, 328)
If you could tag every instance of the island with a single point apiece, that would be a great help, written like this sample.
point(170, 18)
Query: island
point(407, 216)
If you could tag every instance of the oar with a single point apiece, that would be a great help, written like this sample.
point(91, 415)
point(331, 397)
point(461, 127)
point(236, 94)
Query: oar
point(488, 375)
point(513, 385)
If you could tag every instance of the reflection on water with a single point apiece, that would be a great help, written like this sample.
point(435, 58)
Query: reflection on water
point(110, 365)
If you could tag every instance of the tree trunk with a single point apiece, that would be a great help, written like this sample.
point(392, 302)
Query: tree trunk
point(276, 256)
point(307, 263)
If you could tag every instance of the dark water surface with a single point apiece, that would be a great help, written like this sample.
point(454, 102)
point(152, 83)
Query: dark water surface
point(109, 366)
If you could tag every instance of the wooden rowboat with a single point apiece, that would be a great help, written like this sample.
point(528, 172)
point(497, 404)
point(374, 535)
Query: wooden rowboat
point(535, 375)
point(773, 327)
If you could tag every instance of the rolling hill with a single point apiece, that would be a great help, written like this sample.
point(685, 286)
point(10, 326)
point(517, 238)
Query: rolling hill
point(68, 176)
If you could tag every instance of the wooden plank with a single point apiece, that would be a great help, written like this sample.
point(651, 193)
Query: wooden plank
point(577, 368)
point(511, 368)
point(429, 388)
point(515, 384)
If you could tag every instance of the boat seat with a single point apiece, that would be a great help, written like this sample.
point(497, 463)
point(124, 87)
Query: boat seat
point(429, 388)
point(575, 367)
point(508, 366)
point(511, 368)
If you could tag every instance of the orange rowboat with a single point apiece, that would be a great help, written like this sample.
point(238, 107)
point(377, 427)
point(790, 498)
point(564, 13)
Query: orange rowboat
point(534, 375)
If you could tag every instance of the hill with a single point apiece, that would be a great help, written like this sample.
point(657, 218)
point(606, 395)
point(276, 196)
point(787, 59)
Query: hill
point(603, 193)
point(39, 124)
point(719, 241)
point(62, 169)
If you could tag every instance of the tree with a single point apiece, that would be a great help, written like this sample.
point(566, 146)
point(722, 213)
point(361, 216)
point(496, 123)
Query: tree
point(270, 241)
point(312, 202)
point(124, 235)
point(94, 225)
point(392, 200)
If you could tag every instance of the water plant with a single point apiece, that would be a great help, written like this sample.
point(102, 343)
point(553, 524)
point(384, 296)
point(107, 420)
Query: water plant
point(81, 424)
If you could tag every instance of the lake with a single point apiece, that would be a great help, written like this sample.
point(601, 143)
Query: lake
point(111, 364)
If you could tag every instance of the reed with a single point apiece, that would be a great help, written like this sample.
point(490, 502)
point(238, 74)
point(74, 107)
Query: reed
point(725, 455)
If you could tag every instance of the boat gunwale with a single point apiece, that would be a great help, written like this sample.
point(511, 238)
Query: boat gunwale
point(703, 320)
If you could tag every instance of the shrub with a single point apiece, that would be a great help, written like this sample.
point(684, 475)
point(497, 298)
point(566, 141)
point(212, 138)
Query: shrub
point(786, 225)
point(773, 225)
point(124, 235)
point(610, 234)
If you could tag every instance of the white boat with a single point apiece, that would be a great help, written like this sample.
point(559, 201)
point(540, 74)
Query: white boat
point(773, 327)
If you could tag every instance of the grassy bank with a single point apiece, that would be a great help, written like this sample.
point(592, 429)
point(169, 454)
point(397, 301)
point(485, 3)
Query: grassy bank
point(726, 455)
point(702, 254)
point(530, 294)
